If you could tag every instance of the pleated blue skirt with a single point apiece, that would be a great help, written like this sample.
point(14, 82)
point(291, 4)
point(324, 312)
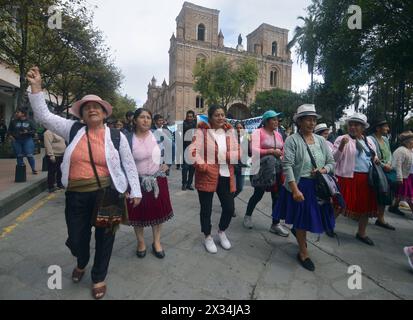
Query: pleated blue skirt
point(308, 215)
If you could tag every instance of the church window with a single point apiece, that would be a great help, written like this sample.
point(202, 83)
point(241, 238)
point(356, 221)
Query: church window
point(201, 32)
point(274, 49)
point(199, 103)
point(273, 78)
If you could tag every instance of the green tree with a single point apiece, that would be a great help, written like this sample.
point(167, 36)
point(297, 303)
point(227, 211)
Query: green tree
point(74, 60)
point(22, 22)
point(305, 37)
point(122, 104)
point(221, 81)
point(279, 100)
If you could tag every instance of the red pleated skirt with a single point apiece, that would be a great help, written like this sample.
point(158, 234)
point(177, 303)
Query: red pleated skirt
point(152, 211)
point(360, 198)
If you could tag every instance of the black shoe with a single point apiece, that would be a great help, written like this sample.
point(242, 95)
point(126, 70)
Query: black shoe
point(141, 254)
point(366, 240)
point(234, 215)
point(190, 188)
point(51, 190)
point(60, 186)
point(158, 254)
point(307, 263)
point(183, 188)
point(35, 172)
point(396, 210)
point(384, 225)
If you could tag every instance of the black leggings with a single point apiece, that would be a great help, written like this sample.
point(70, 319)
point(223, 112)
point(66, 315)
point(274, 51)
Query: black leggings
point(256, 197)
point(227, 203)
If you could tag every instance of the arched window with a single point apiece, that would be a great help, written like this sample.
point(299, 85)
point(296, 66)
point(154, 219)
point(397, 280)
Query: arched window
point(200, 58)
point(201, 32)
point(273, 78)
point(274, 49)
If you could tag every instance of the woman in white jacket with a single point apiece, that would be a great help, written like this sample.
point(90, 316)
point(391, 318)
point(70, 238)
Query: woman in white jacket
point(79, 176)
point(403, 164)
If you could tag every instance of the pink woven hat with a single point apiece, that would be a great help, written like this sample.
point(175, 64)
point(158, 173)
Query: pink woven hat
point(75, 109)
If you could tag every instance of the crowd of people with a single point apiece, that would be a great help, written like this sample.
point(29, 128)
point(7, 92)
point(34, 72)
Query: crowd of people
point(135, 163)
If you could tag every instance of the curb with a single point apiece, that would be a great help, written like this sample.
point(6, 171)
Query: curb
point(12, 202)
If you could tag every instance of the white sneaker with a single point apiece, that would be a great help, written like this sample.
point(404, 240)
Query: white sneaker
point(279, 230)
point(210, 245)
point(223, 240)
point(248, 222)
point(409, 254)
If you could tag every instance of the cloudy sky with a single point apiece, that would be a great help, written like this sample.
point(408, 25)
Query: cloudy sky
point(138, 33)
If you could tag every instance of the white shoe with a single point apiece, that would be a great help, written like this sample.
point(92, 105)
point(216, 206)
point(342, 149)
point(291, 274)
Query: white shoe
point(279, 230)
point(223, 240)
point(248, 222)
point(210, 245)
point(409, 256)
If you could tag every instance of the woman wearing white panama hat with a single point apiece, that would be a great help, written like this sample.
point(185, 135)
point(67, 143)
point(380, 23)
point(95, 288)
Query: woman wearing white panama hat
point(298, 203)
point(79, 176)
point(353, 160)
point(323, 130)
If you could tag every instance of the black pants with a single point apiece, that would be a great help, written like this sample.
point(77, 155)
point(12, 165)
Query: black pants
point(187, 174)
point(54, 173)
point(79, 210)
point(227, 203)
point(256, 197)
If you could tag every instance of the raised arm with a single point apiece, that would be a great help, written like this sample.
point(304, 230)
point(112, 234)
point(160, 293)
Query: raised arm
point(42, 115)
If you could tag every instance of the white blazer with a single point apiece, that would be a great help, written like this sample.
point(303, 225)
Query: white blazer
point(121, 177)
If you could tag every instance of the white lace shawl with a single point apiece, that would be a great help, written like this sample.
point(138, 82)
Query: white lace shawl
point(121, 177)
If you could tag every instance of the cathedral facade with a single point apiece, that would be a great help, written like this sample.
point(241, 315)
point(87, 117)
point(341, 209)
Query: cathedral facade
point(198, 37)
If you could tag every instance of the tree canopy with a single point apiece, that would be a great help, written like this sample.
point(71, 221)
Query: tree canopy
point(221, 81)
point(74, 60)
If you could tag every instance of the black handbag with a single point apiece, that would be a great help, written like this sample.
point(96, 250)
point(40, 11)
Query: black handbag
point(325, 184)
point(270, 167)
point(267, 175)
point(377, 178)
point(110, 208)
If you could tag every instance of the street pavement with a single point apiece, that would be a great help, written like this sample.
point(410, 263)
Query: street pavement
point(8, 169)
point(260, 265)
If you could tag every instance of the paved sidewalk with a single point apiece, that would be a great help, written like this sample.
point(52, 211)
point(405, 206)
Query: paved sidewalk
point(260, 265)
point(12, 194)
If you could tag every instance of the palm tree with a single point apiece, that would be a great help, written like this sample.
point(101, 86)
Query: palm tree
point(307, 50)
point(359, 100)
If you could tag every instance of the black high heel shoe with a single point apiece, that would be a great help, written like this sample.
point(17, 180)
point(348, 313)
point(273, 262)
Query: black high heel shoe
point(141, 254)
point(158, 254)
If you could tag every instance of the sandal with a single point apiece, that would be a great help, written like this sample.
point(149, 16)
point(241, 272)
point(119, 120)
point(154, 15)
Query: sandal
point(77, 275)
point(99, 293)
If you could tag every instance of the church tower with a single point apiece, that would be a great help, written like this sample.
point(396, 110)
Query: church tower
point(196, 33)
point(198, 37)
